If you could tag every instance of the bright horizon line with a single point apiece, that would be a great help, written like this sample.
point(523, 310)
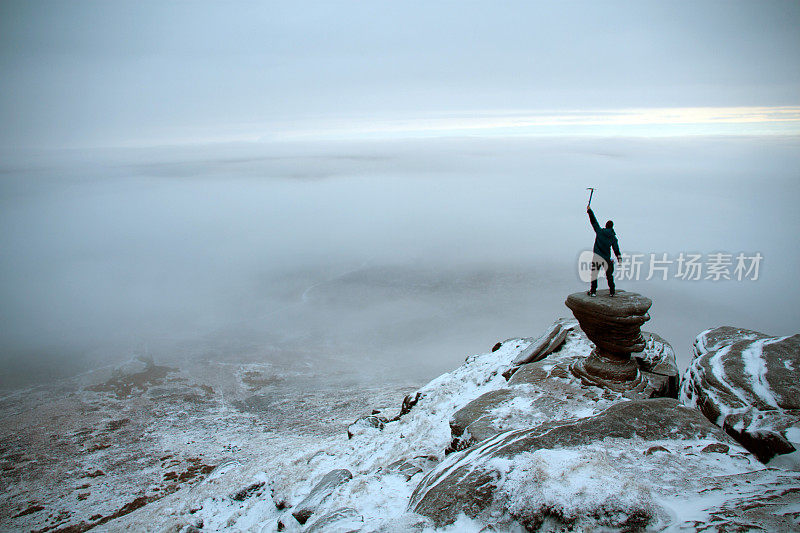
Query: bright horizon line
point(640, 122)
point(644, 122)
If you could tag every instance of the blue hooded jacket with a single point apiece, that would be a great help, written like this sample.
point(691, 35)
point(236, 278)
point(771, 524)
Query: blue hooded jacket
point(604, 240)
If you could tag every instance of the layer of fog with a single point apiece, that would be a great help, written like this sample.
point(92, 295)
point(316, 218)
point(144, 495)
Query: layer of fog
point(393, 260)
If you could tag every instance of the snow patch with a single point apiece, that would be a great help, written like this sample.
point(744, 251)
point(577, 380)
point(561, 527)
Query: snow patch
point(756, 366)
point(575, 487)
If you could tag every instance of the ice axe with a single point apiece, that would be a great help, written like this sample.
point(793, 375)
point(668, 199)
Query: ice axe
point(591, 192)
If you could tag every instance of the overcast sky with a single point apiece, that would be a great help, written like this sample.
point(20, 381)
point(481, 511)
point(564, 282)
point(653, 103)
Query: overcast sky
point(108, 250)
point(119, 73)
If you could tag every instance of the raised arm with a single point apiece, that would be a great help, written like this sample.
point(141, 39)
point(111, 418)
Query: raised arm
point(592, 219)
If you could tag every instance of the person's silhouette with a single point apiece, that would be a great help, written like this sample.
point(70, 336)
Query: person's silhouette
point(605, 239)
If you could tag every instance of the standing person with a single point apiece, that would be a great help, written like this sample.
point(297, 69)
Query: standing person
point(605, 239)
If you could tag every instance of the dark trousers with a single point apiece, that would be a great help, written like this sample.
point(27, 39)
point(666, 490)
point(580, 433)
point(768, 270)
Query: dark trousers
point(609, 277)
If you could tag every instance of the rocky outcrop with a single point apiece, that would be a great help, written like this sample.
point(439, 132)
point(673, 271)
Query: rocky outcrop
point(408, 404)
point(368, 423)
point(749, 384)
point(613, 325)
point(320, 493)
point(533, 446)
point(546, 390)
point(547, 343)
point(475, 481)
point(538, 392)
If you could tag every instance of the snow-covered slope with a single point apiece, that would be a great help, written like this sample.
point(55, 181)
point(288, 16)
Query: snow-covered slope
point(671, 481)
point(591, 458)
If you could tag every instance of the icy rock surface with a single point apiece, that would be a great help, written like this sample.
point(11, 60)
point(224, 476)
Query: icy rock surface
point(491, 478)
point(613, 325)
point(343, 520)
point(549, 341)
point(320, 492)
point(657, 362)
point(749, 384)
point(536, 392)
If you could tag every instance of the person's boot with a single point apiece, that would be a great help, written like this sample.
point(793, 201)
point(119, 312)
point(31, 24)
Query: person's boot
point(592, 294)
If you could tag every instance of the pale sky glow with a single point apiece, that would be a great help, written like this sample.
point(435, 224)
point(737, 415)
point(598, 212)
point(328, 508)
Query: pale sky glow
point(783, 120)
point(119, 73)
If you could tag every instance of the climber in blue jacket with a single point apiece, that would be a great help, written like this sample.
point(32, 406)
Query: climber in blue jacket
point(605, 239)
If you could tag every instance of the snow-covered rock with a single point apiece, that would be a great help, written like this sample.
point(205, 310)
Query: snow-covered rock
point(320, 493)
point(502, 478)
point(344, 520)
point(612, 323)
point(546, 389)
point(537, 392)
point(366, 423)
point(749, 384)
point(412, 466)
point(657, 362)
point(548, 342)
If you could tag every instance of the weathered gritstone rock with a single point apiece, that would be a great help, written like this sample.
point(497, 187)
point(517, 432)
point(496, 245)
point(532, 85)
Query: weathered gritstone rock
point(546, 390)
point(413, 466)
point(613, 325)
point(547, 343)
point(320, 492)
point(657, 362)
point(537, 392)
point(474, 422)
point(344, 520)
point(469, 481)
point(749, 384)
point(366, 423)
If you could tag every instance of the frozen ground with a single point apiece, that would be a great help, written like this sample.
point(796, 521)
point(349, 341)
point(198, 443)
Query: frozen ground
point(91, 449)
point(167, 450)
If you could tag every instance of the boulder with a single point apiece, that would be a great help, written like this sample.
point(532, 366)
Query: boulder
point(613, 325)
point(321, 491)
point(657, 356)
point(476, 481)
point(474, 422)
point(366, 423)
point(344, 520)
point(548, 342)
point(538, 392)
point(411, 467)
point(749, 384)
point(657, 362)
